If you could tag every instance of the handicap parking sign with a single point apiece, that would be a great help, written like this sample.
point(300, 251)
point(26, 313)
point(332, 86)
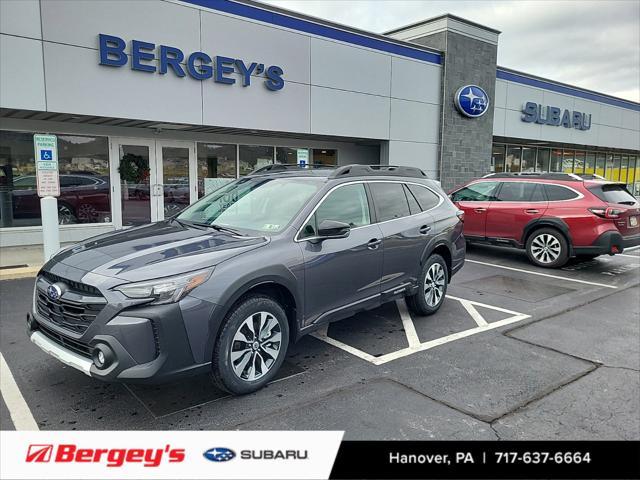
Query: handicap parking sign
point(46, 155)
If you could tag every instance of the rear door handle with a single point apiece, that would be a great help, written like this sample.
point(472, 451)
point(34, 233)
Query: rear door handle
point(374, 243)
point(531, 210)
point(480, 210)
point(424, 229)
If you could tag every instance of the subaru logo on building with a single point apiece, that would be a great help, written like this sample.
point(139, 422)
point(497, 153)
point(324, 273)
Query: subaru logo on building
point(54, 292)
point(471, 101)
point(219, 454)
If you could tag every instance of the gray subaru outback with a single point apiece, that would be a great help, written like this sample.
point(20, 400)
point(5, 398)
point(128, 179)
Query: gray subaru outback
point(227, 284)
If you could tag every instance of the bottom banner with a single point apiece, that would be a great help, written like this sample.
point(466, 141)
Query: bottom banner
point(167, 454)
point(503, 459)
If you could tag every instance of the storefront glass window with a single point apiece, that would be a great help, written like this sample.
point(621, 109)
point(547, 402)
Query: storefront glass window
point(292, 155)
point(512, 163)
point(624, 165)
point(325, 156)
point(497, 158)
point(631, 175)
point(84, 180)
point(613, 167)
point(578, 164)
point(600, 162)
point(590, 163)
point(254, 156)
point(542, 162)
point(567, 161)
point(528, 159)
point(608, 172)
point(217, 164)
point(555, 164)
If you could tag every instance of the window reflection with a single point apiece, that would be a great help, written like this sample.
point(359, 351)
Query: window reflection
point(84, 180)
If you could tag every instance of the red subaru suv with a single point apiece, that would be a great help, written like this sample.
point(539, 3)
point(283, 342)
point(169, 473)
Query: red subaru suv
point(553, 216)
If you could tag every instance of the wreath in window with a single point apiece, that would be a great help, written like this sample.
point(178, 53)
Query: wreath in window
point(133, 168)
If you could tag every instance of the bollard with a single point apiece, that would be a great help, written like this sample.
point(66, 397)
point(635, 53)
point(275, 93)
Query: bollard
point(50, 227)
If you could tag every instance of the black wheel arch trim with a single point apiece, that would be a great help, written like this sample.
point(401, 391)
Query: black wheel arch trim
point(542, 222)
point(233, 294)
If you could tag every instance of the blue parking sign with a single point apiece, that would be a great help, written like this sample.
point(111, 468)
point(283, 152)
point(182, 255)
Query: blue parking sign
point(46, 155)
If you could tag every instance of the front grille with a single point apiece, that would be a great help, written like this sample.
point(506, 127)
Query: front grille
point(73, 345)
point(73, 285)
point(71, 315)
point(75, 310)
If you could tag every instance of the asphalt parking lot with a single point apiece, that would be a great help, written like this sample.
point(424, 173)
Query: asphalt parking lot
point(516, 352)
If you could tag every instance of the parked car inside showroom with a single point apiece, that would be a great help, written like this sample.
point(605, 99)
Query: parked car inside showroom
point(226, 285)
point(553, 216)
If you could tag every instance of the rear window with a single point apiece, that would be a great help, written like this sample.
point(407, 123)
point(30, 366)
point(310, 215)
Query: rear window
point(613, 193)
point(426, 198)
point(556, 193)
point(390, 200)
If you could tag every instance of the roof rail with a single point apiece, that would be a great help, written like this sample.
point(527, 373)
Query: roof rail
point(571, 177)
point(282, 167)
point(380, 170)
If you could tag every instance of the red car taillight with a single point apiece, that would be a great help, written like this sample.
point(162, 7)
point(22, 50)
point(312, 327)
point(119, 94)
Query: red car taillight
point(460, 214)
point(606, 212)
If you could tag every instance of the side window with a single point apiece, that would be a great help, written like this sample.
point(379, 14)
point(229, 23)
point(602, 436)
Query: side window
point(426, 198)
point(345, 204)
point(414, 207)
point(556, 193)
point(390, 200)
point(478, 192)
point(517, 192)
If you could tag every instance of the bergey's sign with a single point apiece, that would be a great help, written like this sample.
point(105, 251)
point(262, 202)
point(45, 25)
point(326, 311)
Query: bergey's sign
point(535, 113)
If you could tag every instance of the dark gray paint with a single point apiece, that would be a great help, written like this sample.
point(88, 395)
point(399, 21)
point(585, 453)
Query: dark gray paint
point(326, 280)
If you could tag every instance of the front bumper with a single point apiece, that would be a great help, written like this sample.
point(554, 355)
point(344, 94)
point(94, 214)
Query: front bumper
point(609, 243)
point(64, 355)
point(139, 343)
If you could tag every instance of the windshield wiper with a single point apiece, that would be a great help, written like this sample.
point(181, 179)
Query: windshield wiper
point(220, 228)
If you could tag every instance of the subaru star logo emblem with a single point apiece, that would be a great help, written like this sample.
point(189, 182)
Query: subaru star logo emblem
point(219, 454)
point(472, 101)
point(54, 292)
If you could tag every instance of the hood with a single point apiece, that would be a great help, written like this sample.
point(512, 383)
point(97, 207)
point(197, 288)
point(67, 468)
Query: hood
point(157, 250)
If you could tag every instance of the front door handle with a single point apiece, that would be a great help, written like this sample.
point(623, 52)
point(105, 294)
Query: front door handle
point(480, 210)
point(531, 210)
point(374, 243)
point(424, 229)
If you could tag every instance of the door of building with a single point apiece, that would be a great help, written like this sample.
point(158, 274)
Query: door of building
point(152, 179)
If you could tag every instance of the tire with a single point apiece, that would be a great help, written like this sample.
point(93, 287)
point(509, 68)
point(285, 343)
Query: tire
point(557, 248)
point(433, 282)
point(245, 370)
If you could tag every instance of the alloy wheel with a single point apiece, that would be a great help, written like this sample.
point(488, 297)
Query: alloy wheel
point(434, 283)
point(256, 346)
point(65, 215)
point(546, 248)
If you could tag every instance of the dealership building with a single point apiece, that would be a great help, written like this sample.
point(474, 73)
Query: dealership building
point(154, 103)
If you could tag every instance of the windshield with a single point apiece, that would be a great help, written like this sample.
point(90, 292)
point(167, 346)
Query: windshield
point(265, 205)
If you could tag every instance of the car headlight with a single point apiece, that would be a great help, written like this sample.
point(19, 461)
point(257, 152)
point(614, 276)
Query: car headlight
point(167, 289)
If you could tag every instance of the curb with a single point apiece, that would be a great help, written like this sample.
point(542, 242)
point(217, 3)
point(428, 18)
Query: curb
point(21, 272)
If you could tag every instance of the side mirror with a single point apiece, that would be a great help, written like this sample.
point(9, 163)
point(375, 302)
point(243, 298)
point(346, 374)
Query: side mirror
point(333, 229)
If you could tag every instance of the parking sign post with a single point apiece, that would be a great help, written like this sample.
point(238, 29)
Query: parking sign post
point(46, 156)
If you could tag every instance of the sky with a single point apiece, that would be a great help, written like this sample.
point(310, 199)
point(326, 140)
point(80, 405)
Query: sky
point(589, 43)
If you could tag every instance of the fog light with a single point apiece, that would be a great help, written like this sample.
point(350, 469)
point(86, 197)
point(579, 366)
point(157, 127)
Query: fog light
point(102, 356)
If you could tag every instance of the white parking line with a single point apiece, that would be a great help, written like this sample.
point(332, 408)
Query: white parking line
point(407, 323)
point(18, 409)
point(415, 345)
point(566, 279)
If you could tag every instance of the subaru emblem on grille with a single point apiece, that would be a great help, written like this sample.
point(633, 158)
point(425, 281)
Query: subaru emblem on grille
point(54, 291)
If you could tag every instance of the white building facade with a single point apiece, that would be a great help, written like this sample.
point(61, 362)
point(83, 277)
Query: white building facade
point(156, 102)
